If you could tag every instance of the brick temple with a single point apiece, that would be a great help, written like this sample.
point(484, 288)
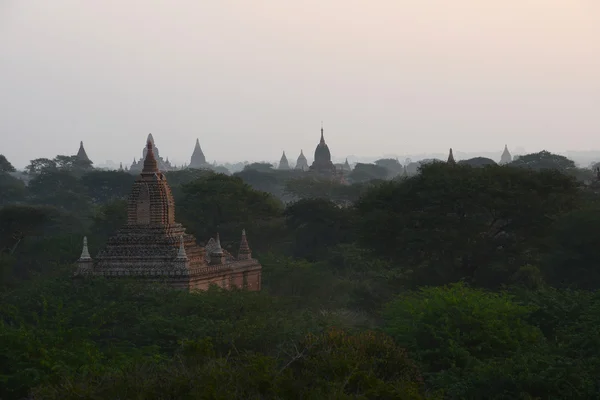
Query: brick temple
point(153, 246)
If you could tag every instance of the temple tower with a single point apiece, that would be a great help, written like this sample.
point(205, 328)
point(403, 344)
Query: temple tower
point(163, 165)
point(347, 165)
point(244, 252)
point(85, 263)
point(506, 157)
point(322, 163)
point(301, 162)
point(283, 162)
point(82, 155)
point(451, 158)
point(198, 160)
point(153, 246)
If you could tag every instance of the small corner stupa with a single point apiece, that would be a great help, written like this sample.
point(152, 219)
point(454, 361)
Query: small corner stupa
point(153, 246)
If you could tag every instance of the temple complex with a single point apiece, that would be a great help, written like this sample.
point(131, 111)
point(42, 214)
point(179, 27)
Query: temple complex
point(322, 163)
point(154, 247)
point(198, 161)
point(301, 162)
point(163, 165)
point(283, 162)
point(505, 158)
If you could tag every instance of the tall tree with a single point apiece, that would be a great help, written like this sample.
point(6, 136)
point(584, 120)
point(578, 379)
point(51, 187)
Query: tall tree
point(544, 160)
point(5, 165)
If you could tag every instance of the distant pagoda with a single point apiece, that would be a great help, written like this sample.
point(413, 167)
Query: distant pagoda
point(283, 162)
point(82, 155)
point(301, 162)
point(198, 161)
point(322, 163)
point(506, 157)
point(451, 158)
point(153, 246)
point(163, 165)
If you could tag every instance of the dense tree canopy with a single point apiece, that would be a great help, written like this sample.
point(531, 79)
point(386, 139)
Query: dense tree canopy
point(457, 282)
point(455, 222)
point(218, 203)
point(544, 160)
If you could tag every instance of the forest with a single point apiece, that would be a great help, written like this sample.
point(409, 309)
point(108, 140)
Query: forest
point(457, 282)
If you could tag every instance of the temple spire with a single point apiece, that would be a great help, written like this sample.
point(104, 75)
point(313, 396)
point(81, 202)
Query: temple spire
point(150, 164)
point(451, 157)
point(506, 157)
point(181, 255)
point(244, 253)
point(218, 249)
point(198, 160)
point(85, 254)
point(322, 136)
point(283, 162)
point(81, 154)
point(217, 256)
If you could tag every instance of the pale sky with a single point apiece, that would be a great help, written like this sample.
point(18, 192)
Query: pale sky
point(251, 78)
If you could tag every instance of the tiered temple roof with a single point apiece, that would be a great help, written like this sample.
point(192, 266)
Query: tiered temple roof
point(152, 245)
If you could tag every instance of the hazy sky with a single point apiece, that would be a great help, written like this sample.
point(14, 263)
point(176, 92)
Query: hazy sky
point(251, 78)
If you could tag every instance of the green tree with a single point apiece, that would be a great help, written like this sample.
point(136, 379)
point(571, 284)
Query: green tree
point(5, 165)
point(544, 160)
point(104, 186)
point(60, 189)
point(368, 172)
point(18, 222)
point(41, 165)
point(11, 189)
point(261, 166)
point(478, 162)
point(455, 222)
point(465, 338)
point(573, 255)
point(318, 225)
point(219, 203)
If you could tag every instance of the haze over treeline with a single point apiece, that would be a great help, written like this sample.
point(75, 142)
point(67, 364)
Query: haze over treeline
point(251, 79)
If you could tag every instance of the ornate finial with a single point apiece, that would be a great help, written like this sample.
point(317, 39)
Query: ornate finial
point(85, 254)
point(244, 253)
point(181, 253)
point(150, 164)
point(322, 136)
